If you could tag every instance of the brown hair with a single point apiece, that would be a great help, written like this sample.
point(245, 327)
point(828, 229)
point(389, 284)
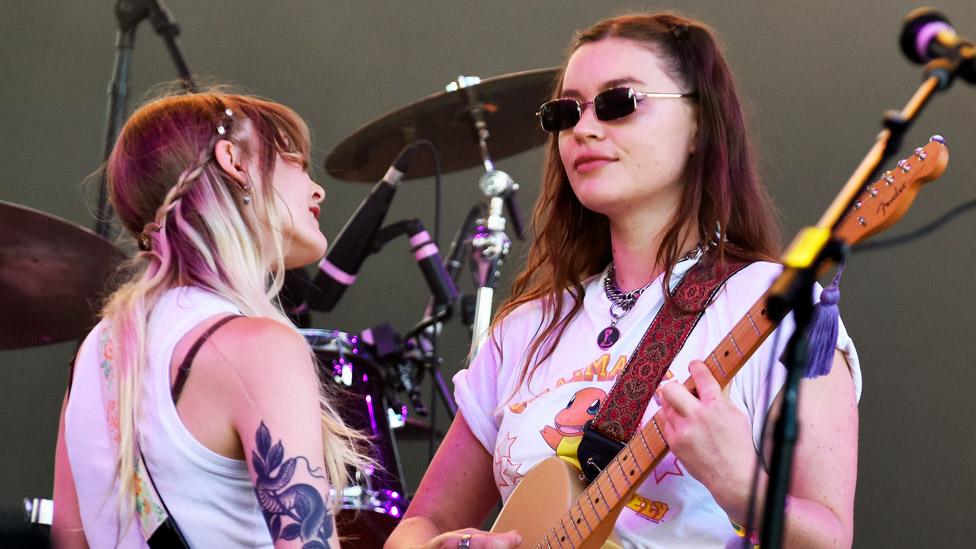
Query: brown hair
point(721, 184)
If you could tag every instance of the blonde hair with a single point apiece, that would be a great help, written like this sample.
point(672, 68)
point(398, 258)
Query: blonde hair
point(169, 191)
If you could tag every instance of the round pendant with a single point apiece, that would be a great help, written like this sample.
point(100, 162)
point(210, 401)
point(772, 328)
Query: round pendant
point(608, 336)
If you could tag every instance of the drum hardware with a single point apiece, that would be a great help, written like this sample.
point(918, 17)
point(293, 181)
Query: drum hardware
point(489, 242)
point(497, 109)
point(38, 511)
point(361, 378)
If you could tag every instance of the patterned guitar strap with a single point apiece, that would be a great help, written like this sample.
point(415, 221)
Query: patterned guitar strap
point(158, 527)
point(620, 416)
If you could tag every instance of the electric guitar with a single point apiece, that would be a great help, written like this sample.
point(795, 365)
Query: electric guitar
point(551, 507)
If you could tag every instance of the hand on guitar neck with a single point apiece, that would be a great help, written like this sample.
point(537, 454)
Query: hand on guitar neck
point(711, 437)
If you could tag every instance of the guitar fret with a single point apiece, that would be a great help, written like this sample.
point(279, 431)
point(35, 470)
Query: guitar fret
point(613, 486)
point(573, 523)
point(589, 499)
point(583, 515)
point(633, 456)
point(735, 345)
point(549, 545)
point(602, 495)
point(568, 537)
point(719, 366)
point(623, 472)
point(753, 322)
point(555, 536)
point(658, 429)
point(644, 442)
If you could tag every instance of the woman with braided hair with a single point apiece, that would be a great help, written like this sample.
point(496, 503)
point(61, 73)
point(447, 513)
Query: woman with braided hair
point(194, 411)
point(648, 177)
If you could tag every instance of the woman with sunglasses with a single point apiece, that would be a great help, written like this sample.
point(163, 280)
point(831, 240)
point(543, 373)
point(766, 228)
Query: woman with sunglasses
point(195, 397)
point(648, 172)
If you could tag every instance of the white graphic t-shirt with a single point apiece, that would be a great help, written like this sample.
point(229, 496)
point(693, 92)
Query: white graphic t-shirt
point(545, 416)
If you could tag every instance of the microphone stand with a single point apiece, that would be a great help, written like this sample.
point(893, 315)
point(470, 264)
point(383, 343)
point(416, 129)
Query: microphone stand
point(431, 358)
point(129, 14)
point(812, 251)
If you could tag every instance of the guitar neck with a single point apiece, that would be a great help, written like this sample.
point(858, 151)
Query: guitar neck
point(614, 486)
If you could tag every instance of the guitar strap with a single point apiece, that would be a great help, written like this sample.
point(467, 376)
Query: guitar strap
point(156, 523)
point(620, 416)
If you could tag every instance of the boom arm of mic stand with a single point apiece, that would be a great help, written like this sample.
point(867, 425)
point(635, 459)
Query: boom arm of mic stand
point(809, 251)
point(810, 242)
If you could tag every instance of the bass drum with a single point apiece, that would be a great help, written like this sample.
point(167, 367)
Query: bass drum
point(371, 507)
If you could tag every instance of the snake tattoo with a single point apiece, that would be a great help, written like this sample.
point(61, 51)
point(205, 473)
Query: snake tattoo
point(291, 511)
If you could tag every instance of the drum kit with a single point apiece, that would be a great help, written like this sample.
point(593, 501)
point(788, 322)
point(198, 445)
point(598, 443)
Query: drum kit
point(52, 271)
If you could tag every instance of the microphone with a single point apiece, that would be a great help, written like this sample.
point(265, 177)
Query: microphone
point(338, 269)
point(429, 259)
point(928, 35)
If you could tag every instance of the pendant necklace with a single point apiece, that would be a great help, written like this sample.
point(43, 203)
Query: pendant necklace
point(620, 304)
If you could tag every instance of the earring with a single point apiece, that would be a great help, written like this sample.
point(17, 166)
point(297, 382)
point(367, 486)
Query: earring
point(247, 193)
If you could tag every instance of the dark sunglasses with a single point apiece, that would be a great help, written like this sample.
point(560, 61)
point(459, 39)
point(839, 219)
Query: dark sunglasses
point(565, 112)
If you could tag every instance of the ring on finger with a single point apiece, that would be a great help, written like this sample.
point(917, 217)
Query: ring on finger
point(465, 542)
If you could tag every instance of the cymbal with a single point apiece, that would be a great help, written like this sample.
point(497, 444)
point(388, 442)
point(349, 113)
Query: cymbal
point(509, 105)
point(51, 273)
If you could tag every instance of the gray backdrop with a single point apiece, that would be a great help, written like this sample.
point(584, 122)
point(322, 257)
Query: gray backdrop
point(816, 77)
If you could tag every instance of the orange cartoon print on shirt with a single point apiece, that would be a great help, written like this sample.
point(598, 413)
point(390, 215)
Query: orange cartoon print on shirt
point(565, 437)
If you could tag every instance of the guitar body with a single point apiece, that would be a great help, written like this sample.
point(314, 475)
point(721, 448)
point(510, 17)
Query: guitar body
point(541, 499)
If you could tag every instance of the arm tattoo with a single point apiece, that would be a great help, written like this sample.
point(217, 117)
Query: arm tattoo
point(292, 511)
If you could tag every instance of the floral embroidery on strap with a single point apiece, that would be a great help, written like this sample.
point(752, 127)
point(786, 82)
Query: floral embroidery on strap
point(148, 507)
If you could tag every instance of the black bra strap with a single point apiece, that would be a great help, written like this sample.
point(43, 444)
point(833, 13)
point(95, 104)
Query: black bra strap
point(184, 370)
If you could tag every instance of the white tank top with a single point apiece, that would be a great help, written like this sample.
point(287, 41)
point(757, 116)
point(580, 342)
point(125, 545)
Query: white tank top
point(210, 496)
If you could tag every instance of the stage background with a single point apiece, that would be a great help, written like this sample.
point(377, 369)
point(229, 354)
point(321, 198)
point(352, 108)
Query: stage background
point(816, 77)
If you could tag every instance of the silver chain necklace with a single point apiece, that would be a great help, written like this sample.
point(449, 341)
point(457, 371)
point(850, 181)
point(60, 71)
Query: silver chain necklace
point(621, 303)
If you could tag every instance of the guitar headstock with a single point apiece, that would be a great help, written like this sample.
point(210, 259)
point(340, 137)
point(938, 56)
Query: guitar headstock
point(884, 201)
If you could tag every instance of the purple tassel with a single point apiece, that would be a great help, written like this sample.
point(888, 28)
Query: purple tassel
point(823, 330)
